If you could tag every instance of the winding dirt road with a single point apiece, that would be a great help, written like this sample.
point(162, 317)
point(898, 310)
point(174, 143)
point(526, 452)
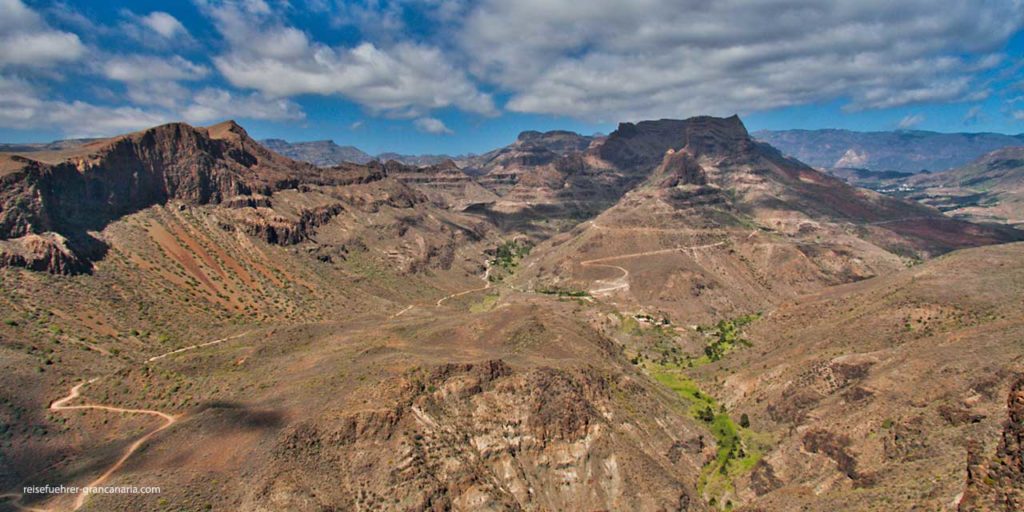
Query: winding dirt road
point(622, 282)
point(61, 405)
point(75, 391)
point(487, 280)
point(440, 302)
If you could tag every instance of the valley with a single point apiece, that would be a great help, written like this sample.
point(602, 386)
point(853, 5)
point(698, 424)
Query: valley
point(674, 316)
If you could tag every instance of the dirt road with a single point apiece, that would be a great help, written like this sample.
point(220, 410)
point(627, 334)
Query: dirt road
point(61, 405)
point(622, 282)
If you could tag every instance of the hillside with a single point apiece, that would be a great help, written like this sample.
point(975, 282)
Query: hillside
point(866, 387)
point(907, 151)
point(990, 189)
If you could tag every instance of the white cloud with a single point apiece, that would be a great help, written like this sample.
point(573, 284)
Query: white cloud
point(27, 41)
point(139, 68)
point(217, 104)
point(164, 24)
point(431, 125)
point(402, 80)
point(909, 121)
point(157, 30)
point(658, 58)
point(22, 107)
point(168, 95)
point(1018, 115)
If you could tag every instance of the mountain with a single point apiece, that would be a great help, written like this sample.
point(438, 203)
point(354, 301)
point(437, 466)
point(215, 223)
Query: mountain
point(324, 153)
point(990, 189)
point(908, 151)
point(672, 317)
point(723, 224)
point(444, 183)
point(50, 208)
point(418, 160)
point(534, 161)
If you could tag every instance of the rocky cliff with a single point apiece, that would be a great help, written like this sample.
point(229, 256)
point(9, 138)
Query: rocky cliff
point(70, 195)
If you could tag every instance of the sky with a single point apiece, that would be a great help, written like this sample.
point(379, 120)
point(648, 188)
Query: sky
point(459, 76)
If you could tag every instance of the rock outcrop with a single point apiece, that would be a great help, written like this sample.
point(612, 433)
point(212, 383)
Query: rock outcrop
point(997, 483)
point(481, 436)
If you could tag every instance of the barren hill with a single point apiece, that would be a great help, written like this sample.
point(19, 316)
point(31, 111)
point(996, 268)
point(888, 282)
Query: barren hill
point(867, 387)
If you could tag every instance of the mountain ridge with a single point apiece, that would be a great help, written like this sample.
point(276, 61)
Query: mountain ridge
point(908, 151)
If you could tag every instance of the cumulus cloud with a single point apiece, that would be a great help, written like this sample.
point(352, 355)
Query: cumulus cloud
point(406, 79)
point(151, 80)
point(910, 121)
point(218, 104)
point(26, 40)
point(21, 105)
point(164, 24)
point(157, 30)
point(168, 95)
point(431, 125)
point(140, 68)
point(653, 58)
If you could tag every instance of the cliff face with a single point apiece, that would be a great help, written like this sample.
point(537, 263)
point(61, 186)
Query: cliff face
point(64, 200)
point(997, 483)
point(128, 173)
point(642, 145)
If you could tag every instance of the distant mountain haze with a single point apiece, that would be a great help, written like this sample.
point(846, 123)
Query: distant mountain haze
point(326, 153)
point(907, 151)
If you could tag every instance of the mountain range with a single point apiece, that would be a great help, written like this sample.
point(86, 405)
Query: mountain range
point(906, 151)
point(326, 153)
point(675, 316)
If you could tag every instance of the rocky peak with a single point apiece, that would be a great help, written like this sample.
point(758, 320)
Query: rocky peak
point(227, 130)
point(560, 142)
point(678, 168)
point(642, 145)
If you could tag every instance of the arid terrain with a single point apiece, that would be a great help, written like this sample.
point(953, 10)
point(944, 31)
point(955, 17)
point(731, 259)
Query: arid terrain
point(674, 316)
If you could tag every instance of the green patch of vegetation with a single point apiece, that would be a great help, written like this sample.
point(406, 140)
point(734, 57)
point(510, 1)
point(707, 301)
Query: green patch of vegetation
point(629, 325)
point(725, 335)
point(508, 254)
point(738, 447)
point(486, 304)
point(11, 322)
point(563, 292)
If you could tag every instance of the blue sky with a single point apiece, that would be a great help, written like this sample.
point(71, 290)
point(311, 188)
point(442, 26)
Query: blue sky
point(455, 76)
